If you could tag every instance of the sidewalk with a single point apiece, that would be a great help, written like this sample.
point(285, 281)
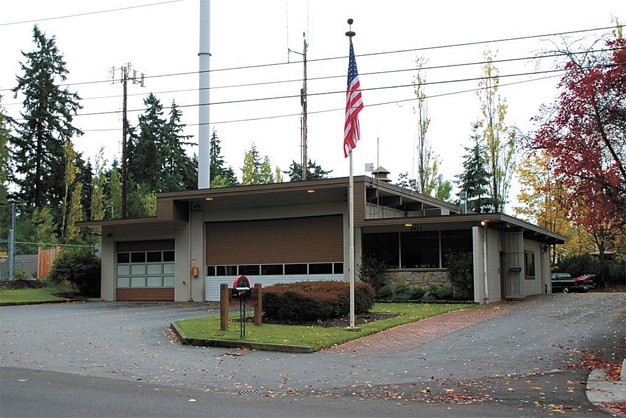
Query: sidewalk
point(602, 391)
point(409, 336)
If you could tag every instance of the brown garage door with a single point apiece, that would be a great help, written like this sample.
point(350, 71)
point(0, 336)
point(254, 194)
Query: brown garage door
point(298, 240)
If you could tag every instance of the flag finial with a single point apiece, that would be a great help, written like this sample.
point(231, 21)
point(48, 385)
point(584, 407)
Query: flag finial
point(350, 34)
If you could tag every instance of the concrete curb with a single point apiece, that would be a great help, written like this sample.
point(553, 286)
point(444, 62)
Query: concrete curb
point(240, 344)
point(601, 390)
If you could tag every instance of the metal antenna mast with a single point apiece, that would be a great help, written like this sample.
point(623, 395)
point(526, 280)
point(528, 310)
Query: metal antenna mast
point(303, 102)
point(136, 79)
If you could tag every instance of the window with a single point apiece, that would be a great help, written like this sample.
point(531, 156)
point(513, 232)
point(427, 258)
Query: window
point(321, 268)
point(271, 269)
point(420, 249)
point(529, 262)
point(384, 247)
point(296, 269)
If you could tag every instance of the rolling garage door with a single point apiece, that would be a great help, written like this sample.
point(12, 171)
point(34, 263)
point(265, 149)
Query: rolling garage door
point(274, 251)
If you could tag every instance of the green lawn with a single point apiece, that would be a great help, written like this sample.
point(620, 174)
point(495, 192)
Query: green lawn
point(317, 337)
point(29, 295)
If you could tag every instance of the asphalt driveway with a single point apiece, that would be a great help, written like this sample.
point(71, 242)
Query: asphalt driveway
point(530, 355)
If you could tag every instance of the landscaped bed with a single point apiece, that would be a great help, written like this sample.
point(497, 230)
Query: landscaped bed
point(314, 336)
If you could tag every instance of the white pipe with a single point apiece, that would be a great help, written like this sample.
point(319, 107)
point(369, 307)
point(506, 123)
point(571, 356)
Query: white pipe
point(204, 55)
point(485, 276)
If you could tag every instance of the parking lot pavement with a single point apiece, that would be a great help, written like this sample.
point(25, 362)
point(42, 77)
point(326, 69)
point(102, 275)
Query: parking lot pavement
point(545, 335)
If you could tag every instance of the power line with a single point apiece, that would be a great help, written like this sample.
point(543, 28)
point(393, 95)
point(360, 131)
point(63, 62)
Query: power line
point(44, 19)
point(257, 66)
point(342, 109)
point(363, 74)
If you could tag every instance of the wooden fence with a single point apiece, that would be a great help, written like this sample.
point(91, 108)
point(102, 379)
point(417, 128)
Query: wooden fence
point(45, 258)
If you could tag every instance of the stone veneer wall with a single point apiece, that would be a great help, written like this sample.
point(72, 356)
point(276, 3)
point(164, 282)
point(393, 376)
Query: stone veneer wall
point(418, 278)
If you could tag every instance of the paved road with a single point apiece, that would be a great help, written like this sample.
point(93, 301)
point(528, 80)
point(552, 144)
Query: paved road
point(525, 360)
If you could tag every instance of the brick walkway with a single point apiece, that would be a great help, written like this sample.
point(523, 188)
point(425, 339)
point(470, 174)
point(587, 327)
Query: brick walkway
point(409, 336)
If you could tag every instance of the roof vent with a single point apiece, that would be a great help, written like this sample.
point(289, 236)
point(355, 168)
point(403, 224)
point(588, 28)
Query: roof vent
point(381, 174)
point(463, 199)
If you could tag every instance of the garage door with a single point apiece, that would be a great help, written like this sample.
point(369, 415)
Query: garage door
point(145, 270)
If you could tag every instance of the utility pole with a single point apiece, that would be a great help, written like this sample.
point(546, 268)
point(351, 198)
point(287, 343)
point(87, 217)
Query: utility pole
point(136, 79)
point(11, 249)
point(303, 102)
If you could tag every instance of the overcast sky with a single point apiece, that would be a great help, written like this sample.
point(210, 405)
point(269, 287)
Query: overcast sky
point(259, 103)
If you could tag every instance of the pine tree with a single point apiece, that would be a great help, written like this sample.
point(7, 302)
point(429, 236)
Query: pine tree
point(313, 171)
point(221, 174)
point(145, 163)
point(182, 171)
point(474, 179)
point(156, 157)
point(37, 147)
point(256, 170)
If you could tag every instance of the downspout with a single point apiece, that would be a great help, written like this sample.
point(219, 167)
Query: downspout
point(190, 299)
point(485, 278)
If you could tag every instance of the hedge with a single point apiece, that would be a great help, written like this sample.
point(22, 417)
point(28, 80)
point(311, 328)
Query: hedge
point(315, 300)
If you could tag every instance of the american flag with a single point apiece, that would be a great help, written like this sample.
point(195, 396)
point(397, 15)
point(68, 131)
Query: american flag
point(354, 104)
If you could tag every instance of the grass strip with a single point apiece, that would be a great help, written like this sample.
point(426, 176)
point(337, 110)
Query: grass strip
point(317, 337)
point(31, 295)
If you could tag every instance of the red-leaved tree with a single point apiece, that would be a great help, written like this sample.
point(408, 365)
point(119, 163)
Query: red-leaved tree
point(584, 136)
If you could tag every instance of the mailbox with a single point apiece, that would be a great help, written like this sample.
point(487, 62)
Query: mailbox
point(241, 287)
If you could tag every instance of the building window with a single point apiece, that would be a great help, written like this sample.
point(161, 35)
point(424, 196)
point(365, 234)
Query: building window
point(420, 249)
point(529, 262)
point(384, 247)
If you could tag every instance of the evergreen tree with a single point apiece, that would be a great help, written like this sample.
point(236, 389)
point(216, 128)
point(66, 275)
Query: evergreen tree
point(86, 177)
point(145, 163)
point(221, 174)
point(474, 179)
point(37, 147)
point(182, 170)
point(4, 174)
point(156, 157)
point(313, 171)
point(256, 170)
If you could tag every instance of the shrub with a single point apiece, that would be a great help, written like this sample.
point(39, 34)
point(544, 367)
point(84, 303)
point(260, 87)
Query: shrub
point(385, 292)
point(401, 293)
point(460, 271)
point(371, 271)
point(416, 292)
point(20, 274)
point(438, 292)
point(81, 267)
point(312, 300)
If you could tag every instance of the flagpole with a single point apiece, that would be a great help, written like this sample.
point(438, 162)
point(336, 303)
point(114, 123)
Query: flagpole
point(351, 258)
point(352, 325)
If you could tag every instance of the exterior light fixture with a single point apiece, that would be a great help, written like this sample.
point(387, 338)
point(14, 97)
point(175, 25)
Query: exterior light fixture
point(408, 224)
point(310, 191)
point(209, 198)
point(484, 223)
